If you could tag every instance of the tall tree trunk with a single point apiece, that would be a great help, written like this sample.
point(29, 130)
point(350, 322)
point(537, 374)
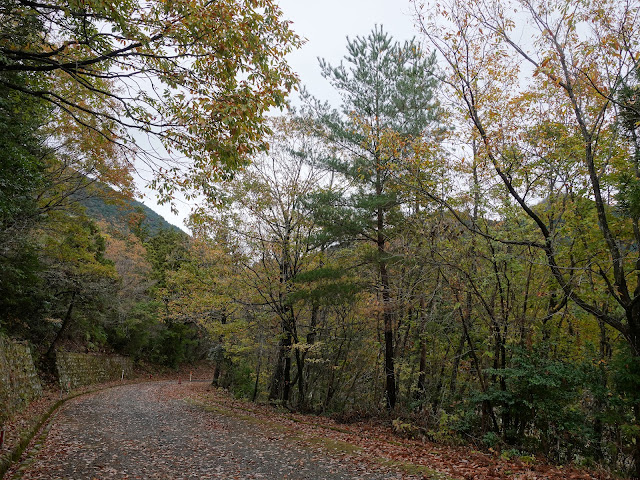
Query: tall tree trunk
point(281, 380)
point(286, 388)
point(257, 382)
point(453, 385)
point(599, 406)
point(219, 355)
point(634, 340)
point(433, 303)
point(422, 372)
point(487, 407)
point(302, 401)
point(437, 395)
point(49, 357)
point(331, 390)
point(636, 448)
point(301, 357)
point(389, 367)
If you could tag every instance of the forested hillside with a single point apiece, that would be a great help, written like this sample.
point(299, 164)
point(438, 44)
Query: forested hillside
point(452, 247)
point(101, 205)
point(75, 106)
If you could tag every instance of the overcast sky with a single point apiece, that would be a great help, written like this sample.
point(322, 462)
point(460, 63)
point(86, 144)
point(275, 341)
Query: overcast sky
point(326, 25)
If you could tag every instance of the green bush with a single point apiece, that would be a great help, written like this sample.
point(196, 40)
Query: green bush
point(241, 379)
point(539, 408)
point(145, 337)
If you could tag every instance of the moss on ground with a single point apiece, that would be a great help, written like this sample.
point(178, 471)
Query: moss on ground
point(328, 444)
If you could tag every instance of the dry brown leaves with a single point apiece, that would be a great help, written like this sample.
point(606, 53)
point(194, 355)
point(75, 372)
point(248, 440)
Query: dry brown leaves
point(377, 443)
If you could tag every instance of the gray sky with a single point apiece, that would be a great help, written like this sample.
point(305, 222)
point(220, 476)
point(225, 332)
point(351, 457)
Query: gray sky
point(326, 25)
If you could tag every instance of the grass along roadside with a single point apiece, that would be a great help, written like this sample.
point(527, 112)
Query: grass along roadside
point(378, 444)
point(315, 434)
point(30, 423)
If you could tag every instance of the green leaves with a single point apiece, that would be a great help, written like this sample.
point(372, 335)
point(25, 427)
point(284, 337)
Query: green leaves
point(21, 162)
point(628, 196)
point(112, 67)
point(388, 92)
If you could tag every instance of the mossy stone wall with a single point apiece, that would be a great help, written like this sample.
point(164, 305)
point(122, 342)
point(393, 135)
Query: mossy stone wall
point(19, 381)
point(80, 369)
point(20, 384)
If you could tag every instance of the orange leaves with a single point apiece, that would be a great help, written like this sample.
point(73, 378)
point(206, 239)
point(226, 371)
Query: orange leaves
point(544, 63)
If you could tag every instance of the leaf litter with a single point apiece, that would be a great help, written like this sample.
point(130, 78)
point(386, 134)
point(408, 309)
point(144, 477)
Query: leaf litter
point(171, 430)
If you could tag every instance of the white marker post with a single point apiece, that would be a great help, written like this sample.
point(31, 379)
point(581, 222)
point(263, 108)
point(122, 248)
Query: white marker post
point(122, 377)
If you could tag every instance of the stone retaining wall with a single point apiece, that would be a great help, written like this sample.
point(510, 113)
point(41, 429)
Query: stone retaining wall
point(20, 384)
point(19, 381)
point(80, 369)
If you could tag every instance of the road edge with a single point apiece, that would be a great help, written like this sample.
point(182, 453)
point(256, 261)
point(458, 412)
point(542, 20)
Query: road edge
point(9, 459)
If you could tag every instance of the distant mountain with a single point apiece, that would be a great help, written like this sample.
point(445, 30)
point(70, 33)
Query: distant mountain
point(123, 212)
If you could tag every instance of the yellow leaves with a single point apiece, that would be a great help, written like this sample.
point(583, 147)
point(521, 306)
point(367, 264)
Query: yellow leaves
point(615, 45)
point(211, 46)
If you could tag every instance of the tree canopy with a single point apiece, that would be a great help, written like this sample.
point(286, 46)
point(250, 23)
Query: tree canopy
point(389, 104)
point(192, 78)
point(452, 247)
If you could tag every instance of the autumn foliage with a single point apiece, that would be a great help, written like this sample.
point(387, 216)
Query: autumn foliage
point(452, 251)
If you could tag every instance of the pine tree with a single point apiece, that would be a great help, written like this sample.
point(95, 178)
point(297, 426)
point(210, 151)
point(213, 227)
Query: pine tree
point(388, 102)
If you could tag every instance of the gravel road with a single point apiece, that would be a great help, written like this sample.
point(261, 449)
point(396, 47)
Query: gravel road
point(149, 431)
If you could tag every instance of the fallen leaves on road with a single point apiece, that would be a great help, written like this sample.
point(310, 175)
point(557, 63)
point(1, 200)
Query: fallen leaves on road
point(162, 430)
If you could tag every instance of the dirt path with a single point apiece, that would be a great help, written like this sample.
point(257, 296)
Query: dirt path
point(150, 431)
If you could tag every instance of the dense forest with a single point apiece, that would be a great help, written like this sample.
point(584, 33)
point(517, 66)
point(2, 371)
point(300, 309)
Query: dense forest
point(454, 247)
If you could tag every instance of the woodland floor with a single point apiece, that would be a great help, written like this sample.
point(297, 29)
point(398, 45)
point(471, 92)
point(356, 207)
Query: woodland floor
point(167, 430)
